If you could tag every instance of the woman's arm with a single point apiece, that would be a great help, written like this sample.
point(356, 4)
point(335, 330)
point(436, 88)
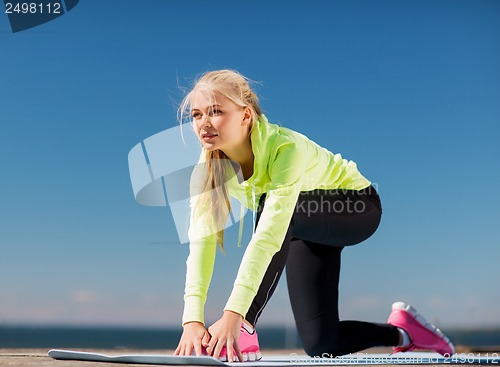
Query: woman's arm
point(199, 269)
point(265, 243)
point(285, 170)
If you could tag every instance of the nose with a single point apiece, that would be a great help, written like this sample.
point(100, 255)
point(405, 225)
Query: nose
point(206, 121)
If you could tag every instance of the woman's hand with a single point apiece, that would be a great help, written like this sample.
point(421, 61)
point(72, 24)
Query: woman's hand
point(225, 333)
point(194, 336)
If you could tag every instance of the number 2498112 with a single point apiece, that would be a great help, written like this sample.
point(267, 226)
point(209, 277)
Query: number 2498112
point(33, 8)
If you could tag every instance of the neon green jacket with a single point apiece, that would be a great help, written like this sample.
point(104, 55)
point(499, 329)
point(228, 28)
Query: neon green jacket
point(285, 163)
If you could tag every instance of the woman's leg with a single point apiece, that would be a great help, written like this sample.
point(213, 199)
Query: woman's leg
point(313, 272)
point(325, 222)
point(312, 276)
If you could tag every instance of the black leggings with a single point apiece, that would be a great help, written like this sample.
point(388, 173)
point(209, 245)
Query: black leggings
point(323, 223)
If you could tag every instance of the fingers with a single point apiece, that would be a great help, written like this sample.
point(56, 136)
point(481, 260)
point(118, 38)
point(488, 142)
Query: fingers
point(206, 339)
point(218, 349)
point(179, 351)
point(202, 343)
point(238, 351)
point(187, 350)
point(232, 348)
point(194, 338)
point(211, 346)
point(214, 347)
point(230, 351)
point(197, 349)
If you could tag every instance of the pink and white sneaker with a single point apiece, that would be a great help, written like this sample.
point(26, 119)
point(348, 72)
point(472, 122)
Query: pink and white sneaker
point(249, 346)
point(423, 335)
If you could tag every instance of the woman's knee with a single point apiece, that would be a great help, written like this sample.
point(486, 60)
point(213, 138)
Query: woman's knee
point(321, 348)
point(319, 337)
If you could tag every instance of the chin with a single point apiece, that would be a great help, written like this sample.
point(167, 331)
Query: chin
point(209, 147)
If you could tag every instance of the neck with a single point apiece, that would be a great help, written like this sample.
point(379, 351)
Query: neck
point(243, 155)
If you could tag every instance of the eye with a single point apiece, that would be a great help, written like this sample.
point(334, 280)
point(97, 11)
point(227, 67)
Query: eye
point(216, 112)
point(196, 115)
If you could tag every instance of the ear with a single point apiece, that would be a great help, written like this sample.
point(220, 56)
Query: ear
point(247, 116)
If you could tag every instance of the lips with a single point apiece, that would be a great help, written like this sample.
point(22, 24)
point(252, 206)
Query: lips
point(208, 136)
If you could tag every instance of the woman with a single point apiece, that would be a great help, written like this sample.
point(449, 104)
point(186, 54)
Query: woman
point(310, 204)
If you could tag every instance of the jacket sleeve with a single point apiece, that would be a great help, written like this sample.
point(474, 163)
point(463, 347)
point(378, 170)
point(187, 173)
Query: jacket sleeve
point(201, 259)
point(285, 170)
point(199, 269)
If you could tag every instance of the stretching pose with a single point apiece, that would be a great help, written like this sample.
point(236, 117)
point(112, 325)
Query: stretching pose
point(310, 204)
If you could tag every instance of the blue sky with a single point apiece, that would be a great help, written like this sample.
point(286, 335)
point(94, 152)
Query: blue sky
point(410, 90)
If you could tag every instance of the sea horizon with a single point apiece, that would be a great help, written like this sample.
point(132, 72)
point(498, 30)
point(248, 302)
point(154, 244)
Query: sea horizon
point(164, 337)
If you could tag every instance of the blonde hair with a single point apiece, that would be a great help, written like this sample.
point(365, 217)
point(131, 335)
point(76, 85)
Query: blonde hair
point(213, 204)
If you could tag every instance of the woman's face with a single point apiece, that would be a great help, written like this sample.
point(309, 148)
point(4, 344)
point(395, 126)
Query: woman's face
point(219, 122)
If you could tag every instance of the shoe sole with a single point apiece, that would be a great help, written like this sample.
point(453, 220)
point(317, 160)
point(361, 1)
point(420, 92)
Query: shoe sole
point(247, 357)
point(422, 321)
